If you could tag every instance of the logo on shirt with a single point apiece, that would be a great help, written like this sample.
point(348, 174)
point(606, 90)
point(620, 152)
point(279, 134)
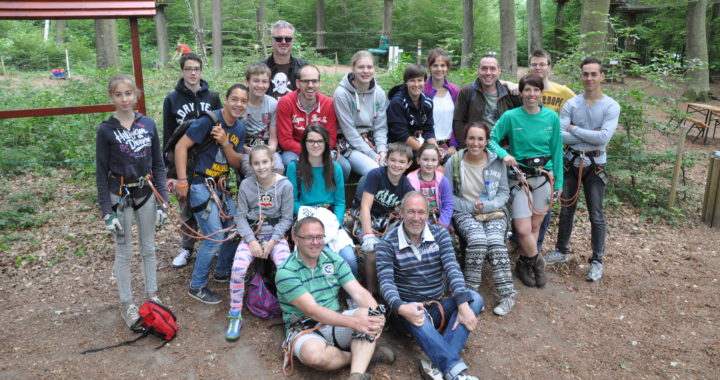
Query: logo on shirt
point(266, 200)
point(281, 83)
point(328, 269)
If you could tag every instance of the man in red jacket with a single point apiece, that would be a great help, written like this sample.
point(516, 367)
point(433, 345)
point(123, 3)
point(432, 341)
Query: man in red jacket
point(298, 109)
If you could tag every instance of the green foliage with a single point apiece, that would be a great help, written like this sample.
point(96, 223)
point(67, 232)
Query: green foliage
point(22, 47)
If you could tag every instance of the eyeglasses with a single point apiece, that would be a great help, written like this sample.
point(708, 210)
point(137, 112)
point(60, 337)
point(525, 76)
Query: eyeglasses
point(192, 69)
point(310, 239)
point(310, 81)
point(315, 142)
point(280, 39)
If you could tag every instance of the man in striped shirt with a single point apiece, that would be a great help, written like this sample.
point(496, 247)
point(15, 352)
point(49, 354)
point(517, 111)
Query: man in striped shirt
point(308, 285)
point(414, 261)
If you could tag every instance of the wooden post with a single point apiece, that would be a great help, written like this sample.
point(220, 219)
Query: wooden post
point(678, 165)
point(710, 200)
point(137, 63)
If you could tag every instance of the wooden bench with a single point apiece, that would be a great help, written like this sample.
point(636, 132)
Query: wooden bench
point(701, 127)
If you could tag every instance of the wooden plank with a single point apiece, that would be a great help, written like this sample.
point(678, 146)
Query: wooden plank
point(39, 112)
point(63, 15)
point(137, 63)
point(74, 5)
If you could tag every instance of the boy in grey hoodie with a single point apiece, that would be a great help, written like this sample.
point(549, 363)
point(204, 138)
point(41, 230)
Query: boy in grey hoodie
point(360, 106)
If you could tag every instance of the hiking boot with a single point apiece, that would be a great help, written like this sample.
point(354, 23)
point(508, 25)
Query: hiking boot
point(555, 257)
point(236, 323)
point(129, 313)
point(384, 353)
point(205, 295)
point(538, 266)
point(154, 298)
point(522, 270)
point(182, 258)
point(505, 306)
point(429, 371)
point(465, 376)
point(596, 271)
point(221, 277)
point(359, 376)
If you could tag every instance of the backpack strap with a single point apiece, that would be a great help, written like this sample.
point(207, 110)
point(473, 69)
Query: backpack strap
point(145, 334)
point(456, 159)
point(472, 92)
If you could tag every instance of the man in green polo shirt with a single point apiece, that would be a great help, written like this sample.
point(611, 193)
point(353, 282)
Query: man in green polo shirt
point(308, 286)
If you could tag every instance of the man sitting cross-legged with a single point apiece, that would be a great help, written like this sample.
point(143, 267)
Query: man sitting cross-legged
point(414, 261)
point(308, 286)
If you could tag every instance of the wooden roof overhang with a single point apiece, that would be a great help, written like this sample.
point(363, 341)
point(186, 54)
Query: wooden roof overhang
point(107, 9)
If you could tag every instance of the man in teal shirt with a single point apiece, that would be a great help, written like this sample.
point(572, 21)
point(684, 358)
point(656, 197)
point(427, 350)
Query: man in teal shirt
point(308, 286)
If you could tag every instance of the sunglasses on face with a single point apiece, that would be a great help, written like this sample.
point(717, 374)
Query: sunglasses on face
point(280, 39)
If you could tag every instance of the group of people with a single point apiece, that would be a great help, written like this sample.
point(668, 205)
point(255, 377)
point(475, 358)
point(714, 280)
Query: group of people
point(434, 161)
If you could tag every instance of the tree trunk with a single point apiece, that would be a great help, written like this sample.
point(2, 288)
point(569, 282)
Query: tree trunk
point(161, 35)
point(594, 26)
point(467, 41)
point(713, 31)
point(558, 43)
point(387, 19)
point(535, 34)
point(696, 42)
point(217, 45)
point(106, 43)
point(508, 44)
point(629, 39)
point(198, 26)
point(60, 26)
point(260, 19)
point(320, 24)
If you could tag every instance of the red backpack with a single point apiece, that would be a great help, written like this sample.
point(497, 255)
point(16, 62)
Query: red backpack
point(154, 319)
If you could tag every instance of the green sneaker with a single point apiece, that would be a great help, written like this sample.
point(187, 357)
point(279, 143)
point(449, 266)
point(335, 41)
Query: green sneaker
point(233, 331)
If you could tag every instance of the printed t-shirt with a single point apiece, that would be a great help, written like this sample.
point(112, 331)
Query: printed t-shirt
point(387, 195)
point(258, 120)
point(212, 162)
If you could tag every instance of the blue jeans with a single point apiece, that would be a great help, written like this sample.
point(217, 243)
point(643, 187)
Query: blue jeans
point(594, 189)
point(348, 253)
point(361, 163)
point(443, 350)
point(543, 229)
point(209, 221)
point(288, 157)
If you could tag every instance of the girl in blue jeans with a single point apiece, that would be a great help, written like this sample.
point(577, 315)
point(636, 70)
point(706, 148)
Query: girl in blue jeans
point(318, 181)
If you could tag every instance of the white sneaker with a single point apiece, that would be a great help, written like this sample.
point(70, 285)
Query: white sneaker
point(154, 298)
point(182, 258)
point(129, 313)
point(429, 371)
point(505, 306)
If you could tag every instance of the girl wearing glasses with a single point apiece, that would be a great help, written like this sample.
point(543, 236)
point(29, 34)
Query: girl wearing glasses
point(318, 180)
point(264, 215)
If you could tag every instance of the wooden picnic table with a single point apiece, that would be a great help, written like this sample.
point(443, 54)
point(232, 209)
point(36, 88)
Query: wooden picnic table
point(711, 118)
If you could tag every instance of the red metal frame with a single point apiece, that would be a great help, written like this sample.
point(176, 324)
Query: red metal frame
point(35, 9)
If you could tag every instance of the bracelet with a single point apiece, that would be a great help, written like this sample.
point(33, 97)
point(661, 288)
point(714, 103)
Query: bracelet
point(182, 179)
point(182, 185)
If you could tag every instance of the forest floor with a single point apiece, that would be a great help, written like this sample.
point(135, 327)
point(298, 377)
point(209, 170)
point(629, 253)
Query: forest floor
point(654, 315)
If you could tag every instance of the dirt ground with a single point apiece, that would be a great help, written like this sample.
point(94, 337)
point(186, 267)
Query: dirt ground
point(654, 315)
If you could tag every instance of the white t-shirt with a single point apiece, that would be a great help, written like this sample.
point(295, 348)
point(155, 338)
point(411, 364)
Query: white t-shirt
point(443, 109)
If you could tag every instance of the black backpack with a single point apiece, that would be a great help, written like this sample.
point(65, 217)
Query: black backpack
point(169, 149)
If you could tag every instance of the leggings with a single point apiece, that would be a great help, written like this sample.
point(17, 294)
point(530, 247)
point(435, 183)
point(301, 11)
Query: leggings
point(486, 239)
point(241, 263)
point(145, 219)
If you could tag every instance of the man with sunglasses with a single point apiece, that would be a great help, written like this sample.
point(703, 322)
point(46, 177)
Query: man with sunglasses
point(282, 64)
point(319, 333)
point(192, 97)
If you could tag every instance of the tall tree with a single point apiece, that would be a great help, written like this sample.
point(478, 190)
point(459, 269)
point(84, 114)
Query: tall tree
point(217, 45)
point(535, 32)
point(558, 36)
point(320, 26)
point(696, 42)
point(467, 41)
point(161, 35)
point(508, 44)
point(387, 19)
point(106, 44)
point(196, 11)
point(260, 19)
point(713, 32)
point(594, 26)
point(60, 26)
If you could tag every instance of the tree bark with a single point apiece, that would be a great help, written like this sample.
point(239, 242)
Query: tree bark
point(217, 45)
point(198, 26)
point(387, 19)
point(535, 33)
point(594, 26)
point(713, 31)
point(161, 35)
point(106, 44)
point(697, 51)
point(508, 44)
point(320, 26)
point(260, 19)
point(60, 26)
point(467, 42)
point(558, 43)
